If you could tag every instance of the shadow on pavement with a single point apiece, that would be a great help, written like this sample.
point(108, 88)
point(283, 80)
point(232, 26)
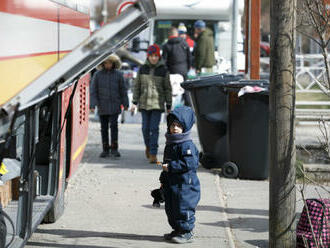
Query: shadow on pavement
point(68, 233)
point(55, 245)
point(245, 224)
point(221, 210)
point(258, 243)
point(233, 210)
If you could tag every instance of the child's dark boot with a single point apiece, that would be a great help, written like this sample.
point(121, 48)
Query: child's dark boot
point(106, 151)
point(114, 150)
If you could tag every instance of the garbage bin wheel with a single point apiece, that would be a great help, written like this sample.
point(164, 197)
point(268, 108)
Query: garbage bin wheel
point(230, 170)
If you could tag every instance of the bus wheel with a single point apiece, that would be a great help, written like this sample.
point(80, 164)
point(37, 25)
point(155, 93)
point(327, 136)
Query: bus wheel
point(57, 209)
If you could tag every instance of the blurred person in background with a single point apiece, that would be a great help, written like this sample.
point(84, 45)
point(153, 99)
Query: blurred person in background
point(177, 57)
point(182, 30)
point(204, 48)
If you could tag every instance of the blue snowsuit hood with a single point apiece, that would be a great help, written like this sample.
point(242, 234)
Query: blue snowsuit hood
point(184, 115)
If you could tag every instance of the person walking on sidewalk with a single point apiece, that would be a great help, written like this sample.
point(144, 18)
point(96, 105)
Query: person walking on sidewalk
point(204, 49)
point(152, 90)
point(108, 93)
point(177, 56)
point(182, 186)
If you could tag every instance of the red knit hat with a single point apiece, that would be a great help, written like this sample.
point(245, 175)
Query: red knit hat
point(153, 49)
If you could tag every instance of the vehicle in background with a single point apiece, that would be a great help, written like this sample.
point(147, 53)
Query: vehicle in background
point(216, 14)
point(46, 54)
point(264, 49)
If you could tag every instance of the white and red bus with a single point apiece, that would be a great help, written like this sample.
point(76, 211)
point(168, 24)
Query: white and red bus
point(46, 53)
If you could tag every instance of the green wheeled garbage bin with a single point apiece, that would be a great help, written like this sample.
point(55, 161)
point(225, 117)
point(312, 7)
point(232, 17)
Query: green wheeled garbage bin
point(209, 98)
point(248, 138)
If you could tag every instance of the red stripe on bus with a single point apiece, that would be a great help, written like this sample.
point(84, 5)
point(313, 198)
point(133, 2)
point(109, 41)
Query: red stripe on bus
point(31, 55)
point(75, 18)
point(45, 10)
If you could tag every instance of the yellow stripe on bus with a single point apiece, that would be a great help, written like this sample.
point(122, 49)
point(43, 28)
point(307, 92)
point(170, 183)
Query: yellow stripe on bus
point(17, 73)
point(79, 150)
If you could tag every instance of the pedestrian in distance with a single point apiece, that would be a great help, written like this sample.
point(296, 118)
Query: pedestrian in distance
point(152, 95)
point(182, 186)
point(182, 30)
point(108, 93)
point(204, 49)
point(177, 56)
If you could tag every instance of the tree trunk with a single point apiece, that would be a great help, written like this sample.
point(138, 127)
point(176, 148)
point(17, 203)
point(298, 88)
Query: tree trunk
point(282, 192)
point(327, 68)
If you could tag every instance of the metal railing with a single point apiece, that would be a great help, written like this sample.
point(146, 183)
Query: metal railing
point(311, 80)
point(311, 74)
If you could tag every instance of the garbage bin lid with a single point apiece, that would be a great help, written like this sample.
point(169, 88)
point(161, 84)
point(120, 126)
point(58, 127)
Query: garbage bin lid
point(207, 81)
point(242, 83)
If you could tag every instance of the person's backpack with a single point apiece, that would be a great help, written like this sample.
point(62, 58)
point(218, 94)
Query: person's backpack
point(319, 224)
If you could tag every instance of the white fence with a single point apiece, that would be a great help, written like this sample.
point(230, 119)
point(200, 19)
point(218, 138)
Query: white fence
point(311, 79)
point(311, 74)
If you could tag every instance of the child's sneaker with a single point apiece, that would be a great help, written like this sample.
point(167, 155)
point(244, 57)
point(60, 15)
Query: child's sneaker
point(169, 236)
point(183, 238)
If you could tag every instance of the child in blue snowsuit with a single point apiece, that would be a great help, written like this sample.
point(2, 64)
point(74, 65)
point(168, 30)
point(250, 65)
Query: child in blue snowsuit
point(182, 187)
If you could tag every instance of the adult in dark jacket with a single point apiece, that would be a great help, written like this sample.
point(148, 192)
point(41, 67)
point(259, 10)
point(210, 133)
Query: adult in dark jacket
point(108, 93)
point(204, 49)
point(182, 187)
point(177, 56)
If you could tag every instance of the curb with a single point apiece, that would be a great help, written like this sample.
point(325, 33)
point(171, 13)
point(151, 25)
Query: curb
point(223, 205)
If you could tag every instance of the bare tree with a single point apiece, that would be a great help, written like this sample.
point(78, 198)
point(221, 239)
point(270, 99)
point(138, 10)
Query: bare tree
point(282, 202)
point(313, 22)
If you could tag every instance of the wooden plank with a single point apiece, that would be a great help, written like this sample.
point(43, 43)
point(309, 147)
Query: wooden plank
point(247, 35)
point(254, 38)
point(15, 188)
point(5, 194)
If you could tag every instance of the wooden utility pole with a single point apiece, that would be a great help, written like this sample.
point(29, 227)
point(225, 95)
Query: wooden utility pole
point(282, 192)
point(252, 38)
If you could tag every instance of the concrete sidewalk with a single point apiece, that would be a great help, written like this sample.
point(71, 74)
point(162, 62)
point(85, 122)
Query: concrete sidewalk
point(109, 203)
point(132, 217)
